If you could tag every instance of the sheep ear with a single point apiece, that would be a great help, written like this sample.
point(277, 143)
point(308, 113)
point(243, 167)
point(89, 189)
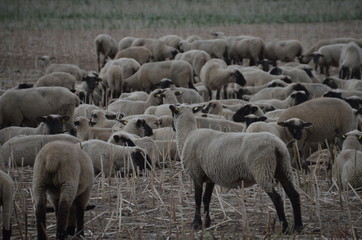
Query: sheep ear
point(41, 119)
point(111, 116)
point(197, 109)
point(116, 138)
point(253, 109)
point(174, 109)
point(178, 93)
point(283, 124)
point(63, 119)
point(139, 123)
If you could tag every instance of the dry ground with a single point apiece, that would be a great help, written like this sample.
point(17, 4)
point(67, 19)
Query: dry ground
point(160, 205)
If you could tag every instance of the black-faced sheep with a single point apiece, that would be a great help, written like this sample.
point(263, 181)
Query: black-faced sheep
point(23, 107)
point(351, 84)
point(140, 54)
point(233, 160)
point(197, 58)
point(283, 50)
point(88, 86)
point(64, 172)
point(61, 79)
point(107, 46)
point(347, 169)
point(7, 190)
point(160, 50)
point(86, 132)
point(100, 118)
point(350, 62)
point(327, 56)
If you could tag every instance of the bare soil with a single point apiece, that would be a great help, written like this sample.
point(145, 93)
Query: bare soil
point(160, 205)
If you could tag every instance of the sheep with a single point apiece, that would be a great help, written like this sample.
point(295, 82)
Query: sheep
point(125, 42)
point(88, 86)
point(6, 201)
point(222, 125)
point(110, 158)
point(140, 54)
point(347, 168)
point(169, 97)
point(216, 74)
point(295, 74)
point(151, 120)
point(137, 126)
point(164, 133)
point(245, 110)
point(135, 96)
point(21, 150)
point(280, 93)
point(84, 110)
point(64, 172)
point(249, 47)
point(99, 118)
point(61, 79)
point(351, 84)
point(283, 50)
point(327, 56)
point(295, 98)
point(107, 46)
point(193, 38)
point(160, 50)
point(17, 107)
point(171, 40)
point(232, 160)
point(250, 90)
point(306, 57)
point(50, 124)
point(216, 107)
point(129, 107)
point(330, 117)
point(150, 74)
point(86, 132)
point(350, 62)
point(216, 48)
point(73, 69)
point(197, 58)
point(44, 61)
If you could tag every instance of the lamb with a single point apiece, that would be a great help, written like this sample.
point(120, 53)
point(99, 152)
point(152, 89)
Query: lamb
point(50, 124)
point(160, 50)
point(21, 150)
point(197, 58)
point(86, 132)
point(73, 69)
point(61, 79)
point(327, 56)
point(150, 74)
point(350, 62)
point(283, 50)
point(129, 107)
point(232, 160)
point(125, 42)
point(110, 158)
point(351, 84)
point(330, 117)
point(15, 105)
point(249, 47)
point(140, 54)
point(216, 48)
point(107, 46)
point(347, 168)
point(215, 74)
point(64, 172)
point(6, 201)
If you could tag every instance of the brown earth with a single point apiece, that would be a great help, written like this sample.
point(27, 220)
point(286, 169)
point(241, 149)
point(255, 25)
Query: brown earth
point(160, 205)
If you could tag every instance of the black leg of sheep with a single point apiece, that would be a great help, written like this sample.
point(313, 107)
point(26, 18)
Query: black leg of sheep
point(197, 223)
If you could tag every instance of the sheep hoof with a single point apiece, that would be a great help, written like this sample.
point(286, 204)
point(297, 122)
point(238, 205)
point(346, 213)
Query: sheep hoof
point(196, 225)
point(298, 228)
point(6, 234)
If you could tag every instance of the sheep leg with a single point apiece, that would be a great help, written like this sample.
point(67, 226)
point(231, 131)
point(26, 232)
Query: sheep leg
point(210, 93)
point(40, 215)
point(71, 221)
point(197, 223)
point(278, 203)
point(225, 92)
point(294, 199)
point(6, 234)
point(62, 219)
point(217, 94)
point(206, 200)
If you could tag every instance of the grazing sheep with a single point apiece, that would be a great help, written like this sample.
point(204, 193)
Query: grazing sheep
point(64, 172)
point(23, 107)
point(160, 50)
point(248, 47)
point(347, 169)
point(216, 48)
point(327, 56)
point(197, 58)
point(107, 46)
point(7, 190)
point(193, 38)
point(125, 42)
point(140, 54)
point(68, 68)
point(110, 158)
point(350, 62)
point(129, 107)
point(215, 74)
point(86, 132)
point(21, 150)
point(61, 79)
point(50, 124)
point(171, 40)
point(150, 75)
point(351, 84)
point(283, 50)
point(233, 160)
point(135, 96)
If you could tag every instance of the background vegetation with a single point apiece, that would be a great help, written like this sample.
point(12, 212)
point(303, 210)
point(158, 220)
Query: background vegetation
point(126, 14)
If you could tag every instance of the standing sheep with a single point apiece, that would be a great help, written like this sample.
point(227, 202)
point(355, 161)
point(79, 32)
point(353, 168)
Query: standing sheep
point(61, 79)
point(249, 47)
point(125, 42)
point(233, 160)
point(327, 56)
point(172, 40)
point(197, 58)
point(140, 54)
point(7, 190)
point(64, 172)
point(86, 132)
point(283, 50)
point(350, 62)
point(107, 46)
point(73, 69)
point(160, 50)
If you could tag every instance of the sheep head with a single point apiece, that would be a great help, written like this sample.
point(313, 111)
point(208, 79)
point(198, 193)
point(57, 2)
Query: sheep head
point(295, 127)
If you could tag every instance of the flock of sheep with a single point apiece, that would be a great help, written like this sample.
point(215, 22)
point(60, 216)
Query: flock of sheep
point(228, 107)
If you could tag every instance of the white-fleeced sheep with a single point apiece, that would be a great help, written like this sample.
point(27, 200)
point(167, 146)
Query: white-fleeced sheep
point(23, 107)
point(125, 42)
point(197, 58)
point(216, 107)
point(140, 54)
point(7, 190)
point(350, 62)
point(283, 50)
point(233, 160)
point(327, 56)
point(50, 124)
point(135, 96)
point(347, 169)
point(21, 150)
point(73, 69)
point(84, 110)
point(110, 158)
point(351, 84)
point(251, 48)
point(160, 50)
point(150, 75)
point(222, 125)
point(61, 79)
point(88, 87)
point(295, 98)
point(99, 118)
point(64, 172)
point(137, 126)
point(295, 74)
point(280, 93)
point(215, 74)
point(86, 132)
point(107, 46)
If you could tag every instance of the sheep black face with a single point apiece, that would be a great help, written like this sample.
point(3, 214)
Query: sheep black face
point(251, 118)
point(142, 123)
point(175, 113)
point(141, 160)
point(239, 78)
point(295, 127)
point(91, 81)
point(354, 102)
point(239, 116)
point(330, 82)
point(276, 71)
point(299, 97)
point(54, 123)
point(166, 83)
point(123, 140)
point(332, 94)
